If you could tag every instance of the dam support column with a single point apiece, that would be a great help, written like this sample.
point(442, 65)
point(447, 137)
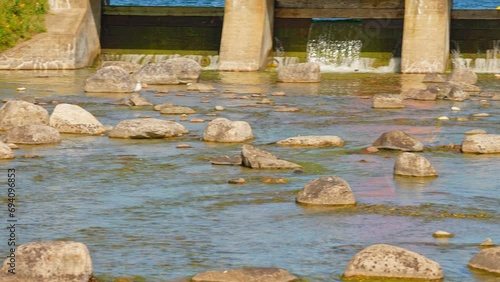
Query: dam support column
point(247, 35)
point(426, 36)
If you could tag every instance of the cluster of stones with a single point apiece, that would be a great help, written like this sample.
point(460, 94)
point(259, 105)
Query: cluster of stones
point(27, 123)
point(57, 261)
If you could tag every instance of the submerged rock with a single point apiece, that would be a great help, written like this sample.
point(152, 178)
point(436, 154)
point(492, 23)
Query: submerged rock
point(411, 164)
point(110, 79)
point(224, 130)
point(386, 261)
point(326, 190)
point(419, 94)
point(247, 274)
point(16, 113)
point(177, 110)
point(35, 134)
point(481, 143)
point(256, 158)
point(201, 87)
point(171, 71)
point(388, 101)
point(433, 78)
point(302, 72)
point(67, 118)
point(145, 128)
point(464, 75)
point(487, 260)
point(138, 100)
point(312, 141)
point(54, 261)
point(398, 140)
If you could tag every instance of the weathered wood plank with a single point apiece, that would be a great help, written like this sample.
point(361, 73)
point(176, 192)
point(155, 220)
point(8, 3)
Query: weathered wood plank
point(475, 14)
point(340, 4)
point(340, 13)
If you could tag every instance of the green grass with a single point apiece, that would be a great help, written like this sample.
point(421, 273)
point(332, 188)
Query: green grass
point(20, 19)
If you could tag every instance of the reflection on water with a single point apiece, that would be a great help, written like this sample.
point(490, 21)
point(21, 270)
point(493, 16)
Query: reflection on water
point(146, 208)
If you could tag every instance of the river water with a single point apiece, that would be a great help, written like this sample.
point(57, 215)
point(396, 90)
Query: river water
point(145, 208)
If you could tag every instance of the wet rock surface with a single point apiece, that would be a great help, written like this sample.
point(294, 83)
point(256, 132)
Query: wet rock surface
point(326, 190)
point(32, 135)
point(250, 274)
point(147, 128)
point(411, 164)
point(260, 159)
point(398, 140)
point(487, 260)
point(19, 113)
point(171, 71)
point(481, 144)
point(67, 118)
point(227, 131)
point(110, 79)
point(302, 72)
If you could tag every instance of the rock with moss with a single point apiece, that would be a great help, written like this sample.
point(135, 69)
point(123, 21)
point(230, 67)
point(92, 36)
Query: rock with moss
point(326, 190)
point(250, 274)
point(386, 261)
point(55, 261)
point(32, 135)
point(171, 71)
point(16, 113)
point(411, 164)
point(68, 118)
point(147, 128)
point(260, 159)
point(227, 131)
point(481, 144)
point(110, 79)
point(313, 141)
point(398, 140)
point(487, 260)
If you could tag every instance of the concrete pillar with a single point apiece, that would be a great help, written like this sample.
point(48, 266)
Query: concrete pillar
point(426, 36)
point(247, 35)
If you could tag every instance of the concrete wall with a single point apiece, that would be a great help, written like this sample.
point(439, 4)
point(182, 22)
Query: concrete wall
point(426, 36)
point(71, 40)
point(247, 37)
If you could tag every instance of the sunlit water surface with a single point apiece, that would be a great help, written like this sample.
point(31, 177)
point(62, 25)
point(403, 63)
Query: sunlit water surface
point(145, 208)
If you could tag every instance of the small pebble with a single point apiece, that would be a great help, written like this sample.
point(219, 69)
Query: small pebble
point(462, 119)
point(455, 108)
point(237, 181)
point(371, 149)
point(475, 131)
point(481, 115)
point(197, 120)
point(180, 94)
point(272, 180)
point(278, 93)
point(21, 89)
point(145, 116)
point(212, 114)
point(487, 243)
point(164, 90)
point(443, 118)
point(265, 101)
point(183, 146)
point(442, 234)
point(219, 108)
point(12, 146)
point(183, 117)
point(206, 102)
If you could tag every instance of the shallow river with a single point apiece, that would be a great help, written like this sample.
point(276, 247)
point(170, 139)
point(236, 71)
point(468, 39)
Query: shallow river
point(145, 208)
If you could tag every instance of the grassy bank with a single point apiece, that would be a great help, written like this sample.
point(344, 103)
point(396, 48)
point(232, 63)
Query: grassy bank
point(20, 19)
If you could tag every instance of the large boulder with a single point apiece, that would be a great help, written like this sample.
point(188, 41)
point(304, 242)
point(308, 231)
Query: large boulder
point(19, 113)
point(171, 71)
point(56, 261)
point(68, 118)
point(398, 140)
point(34, 134)
point(386, 261)
point(481, 143)
point(256, 158)
point(247, 274)
point(224, 130)
point(5, 151)
point(488, 260)
point(145, 128)
point(464, 75)
point(312, 141)
point(326, 190)
point(388, 101)
point(411, 164)
point(110, 79)
point(303, 72)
